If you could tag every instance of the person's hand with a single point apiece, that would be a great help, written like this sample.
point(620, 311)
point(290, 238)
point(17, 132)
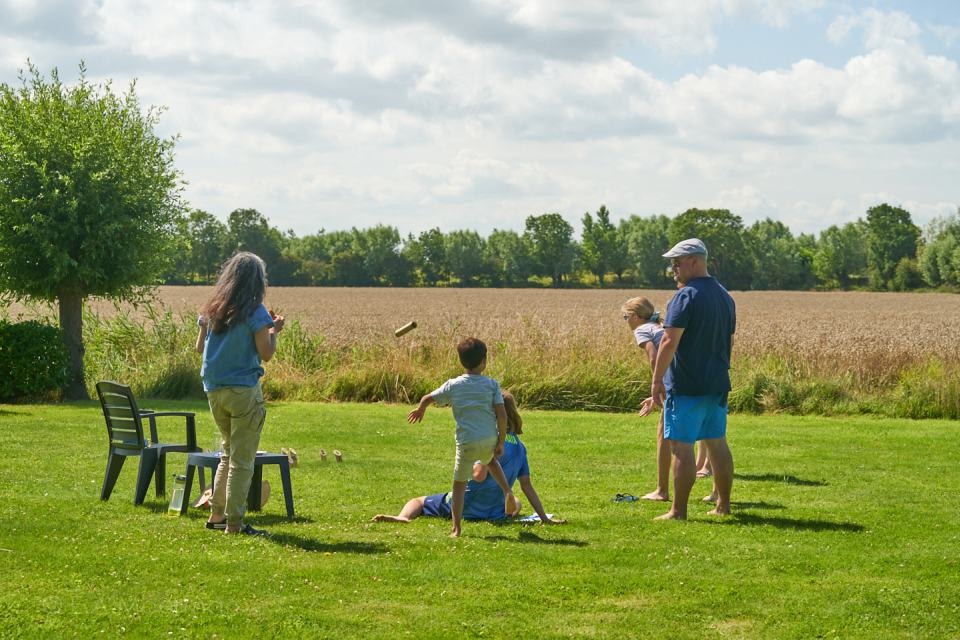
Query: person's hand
point(498, 450)
point(646, 407)
point(415, 416)
point(277, 322)
point(658, 393)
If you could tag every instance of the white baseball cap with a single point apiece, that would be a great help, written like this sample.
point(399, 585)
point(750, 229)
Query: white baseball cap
point(688, 247)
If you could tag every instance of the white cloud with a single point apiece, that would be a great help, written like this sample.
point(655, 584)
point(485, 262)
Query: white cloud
point(343, 113)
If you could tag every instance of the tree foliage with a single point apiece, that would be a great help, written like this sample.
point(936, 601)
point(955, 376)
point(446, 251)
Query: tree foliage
point(89, 198)
point(723, 233)
point(551, 245)
point(891, 236)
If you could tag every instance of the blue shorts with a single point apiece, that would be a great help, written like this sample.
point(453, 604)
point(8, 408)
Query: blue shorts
point(692, 418)
point(436, 505)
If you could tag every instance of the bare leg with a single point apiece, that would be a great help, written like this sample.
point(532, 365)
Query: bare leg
point(456, 506)
point(722, 474)
point(663, 468)
point(411, 511)
point(479, 472)
point(704, 470)
point(510, 502)
point(684, 475)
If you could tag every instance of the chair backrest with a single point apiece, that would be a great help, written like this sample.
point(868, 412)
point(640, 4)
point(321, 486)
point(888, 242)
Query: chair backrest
point(124, 427)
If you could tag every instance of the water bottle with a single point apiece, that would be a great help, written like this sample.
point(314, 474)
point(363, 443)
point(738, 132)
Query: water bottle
point(176, 500)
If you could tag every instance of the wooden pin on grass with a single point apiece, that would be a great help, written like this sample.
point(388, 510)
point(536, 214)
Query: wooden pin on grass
point(407, 328)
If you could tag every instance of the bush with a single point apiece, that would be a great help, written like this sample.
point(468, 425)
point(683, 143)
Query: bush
point(33, 360)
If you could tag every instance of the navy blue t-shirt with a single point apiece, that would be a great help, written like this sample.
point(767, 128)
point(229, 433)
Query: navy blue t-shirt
point(708, 317)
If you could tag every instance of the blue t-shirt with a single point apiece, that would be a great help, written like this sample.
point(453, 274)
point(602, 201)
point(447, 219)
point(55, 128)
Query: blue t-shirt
point(484, 500)
point(472, 398)
point(230, 359)
point(708, 317)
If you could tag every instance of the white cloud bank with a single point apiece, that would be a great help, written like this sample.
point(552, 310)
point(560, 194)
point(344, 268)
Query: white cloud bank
point(477, 114)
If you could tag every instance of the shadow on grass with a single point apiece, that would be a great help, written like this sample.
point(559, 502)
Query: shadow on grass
point(778, 477)
point(7, 412)
point(313, 545)
point(796, 524)
point(756, 505)
point(529, 537)
point(268, 519)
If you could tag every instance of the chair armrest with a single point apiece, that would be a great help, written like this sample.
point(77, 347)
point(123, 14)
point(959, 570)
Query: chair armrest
point(190, 420)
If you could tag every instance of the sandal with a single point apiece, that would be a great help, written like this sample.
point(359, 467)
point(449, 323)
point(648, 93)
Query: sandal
point(625, 497)
point(704, 474)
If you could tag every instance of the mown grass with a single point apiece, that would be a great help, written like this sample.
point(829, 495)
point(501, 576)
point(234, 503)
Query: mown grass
point(842, 528)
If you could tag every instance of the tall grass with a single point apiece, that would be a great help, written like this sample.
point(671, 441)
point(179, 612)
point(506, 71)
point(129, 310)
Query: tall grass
point(154, 353)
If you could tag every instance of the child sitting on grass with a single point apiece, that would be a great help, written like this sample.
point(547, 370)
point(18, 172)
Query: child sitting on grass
point(483, 499)
point(481, 424)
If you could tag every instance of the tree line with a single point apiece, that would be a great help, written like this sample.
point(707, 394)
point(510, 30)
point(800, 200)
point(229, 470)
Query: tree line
point(884, 250)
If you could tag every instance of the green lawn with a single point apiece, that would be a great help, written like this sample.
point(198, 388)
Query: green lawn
point(842, 528)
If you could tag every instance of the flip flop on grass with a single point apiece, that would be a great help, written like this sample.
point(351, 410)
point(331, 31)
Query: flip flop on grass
point(625, 497)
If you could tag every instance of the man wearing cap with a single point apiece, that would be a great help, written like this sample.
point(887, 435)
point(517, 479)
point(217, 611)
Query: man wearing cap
point(691, 378)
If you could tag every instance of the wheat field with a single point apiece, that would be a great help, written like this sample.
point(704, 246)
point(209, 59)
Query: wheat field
point(571, 348)
point(855, 329)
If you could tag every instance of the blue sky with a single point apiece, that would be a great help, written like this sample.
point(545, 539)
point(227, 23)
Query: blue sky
point(478, 113)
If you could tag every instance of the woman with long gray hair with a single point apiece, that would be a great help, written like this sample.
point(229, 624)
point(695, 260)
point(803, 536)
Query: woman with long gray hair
point(237, 333)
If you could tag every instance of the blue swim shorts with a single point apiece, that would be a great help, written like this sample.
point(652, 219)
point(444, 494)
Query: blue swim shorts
point(437, 506)
point(692, 418)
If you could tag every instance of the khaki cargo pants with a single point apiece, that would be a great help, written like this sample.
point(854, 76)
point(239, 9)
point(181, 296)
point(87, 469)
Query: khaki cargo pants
point(239, 413)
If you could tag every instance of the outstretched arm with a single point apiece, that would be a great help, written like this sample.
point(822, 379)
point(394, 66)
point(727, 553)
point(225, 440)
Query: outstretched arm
point(527, 487)
point(417, 414)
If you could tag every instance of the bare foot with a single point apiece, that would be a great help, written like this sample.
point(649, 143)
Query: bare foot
point(710, 498)
point(718, 512)
point(657, 496)
point(383, 517)
point(455, 533)
point(672, 515)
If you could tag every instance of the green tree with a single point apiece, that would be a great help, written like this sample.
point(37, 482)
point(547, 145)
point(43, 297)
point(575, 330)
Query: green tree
point(647, 241)
point(891, 236)
point(508, 258)
point(465, 255)
point(940, 255)
point(382, 258)
point(602, 249)
point(178, 270)
point(723, 233)
point(249, 230)
point(428, 254)
point(551, 243)
point(313, 255)
point(89, 198)
point(841, 256)
point(780, 261)
point(208, 237)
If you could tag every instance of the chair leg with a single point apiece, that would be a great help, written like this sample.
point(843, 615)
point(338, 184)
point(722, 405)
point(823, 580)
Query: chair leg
point(287, 487)
point(188, 485)
point(253, 496)
point(160, 476)
point(148, 462)
point(114, 465)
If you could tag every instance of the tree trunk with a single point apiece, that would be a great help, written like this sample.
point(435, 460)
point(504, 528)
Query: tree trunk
point(71, 321)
